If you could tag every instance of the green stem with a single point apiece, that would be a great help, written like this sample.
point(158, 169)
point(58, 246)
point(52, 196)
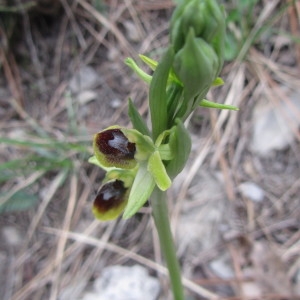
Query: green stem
point(161, 219)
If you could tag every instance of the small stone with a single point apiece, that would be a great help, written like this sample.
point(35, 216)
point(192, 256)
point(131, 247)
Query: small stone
point(297, 283)
point(251, 289)
point(121, 282)
point(222, 268)
point(12, 236)
point(86, 96)
point(86, 78)
point(90, 296)
point(132, 32)
point(115, 103)
point(274, 126)
point(251, 191)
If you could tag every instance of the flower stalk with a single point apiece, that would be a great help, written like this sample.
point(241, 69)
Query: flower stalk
point(161, 219)
point(142, 162)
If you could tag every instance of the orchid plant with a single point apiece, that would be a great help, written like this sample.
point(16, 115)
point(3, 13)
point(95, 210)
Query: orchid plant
point(141, 163)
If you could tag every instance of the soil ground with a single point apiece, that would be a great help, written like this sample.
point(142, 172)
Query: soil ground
point(235, 209)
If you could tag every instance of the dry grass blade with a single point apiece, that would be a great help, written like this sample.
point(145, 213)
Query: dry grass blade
point(30, 180)
point(64, 248)
point(62, 241)
point(106, 23)
point(140, 259)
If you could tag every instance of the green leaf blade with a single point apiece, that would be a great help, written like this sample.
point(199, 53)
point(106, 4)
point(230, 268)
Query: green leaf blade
point(136, 119)
point(158, 95)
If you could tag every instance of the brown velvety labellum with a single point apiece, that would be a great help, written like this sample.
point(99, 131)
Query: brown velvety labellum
point(110, 196)
point(113, 142)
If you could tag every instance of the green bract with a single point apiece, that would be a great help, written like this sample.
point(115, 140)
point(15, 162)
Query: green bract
point(196, 65)
point(207, 20)
point(197, 36)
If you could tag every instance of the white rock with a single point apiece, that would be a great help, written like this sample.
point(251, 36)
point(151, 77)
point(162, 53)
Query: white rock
point(222, 268)
point(204, 210)
point(90, 296)
point(86, 96)
point(274, 125)
point(86, 78)
point(251, 289)
point(12, 236)
point(126, 283)
point(251, 191)
point(297, 283)
point(131, 31)
point(115, 103)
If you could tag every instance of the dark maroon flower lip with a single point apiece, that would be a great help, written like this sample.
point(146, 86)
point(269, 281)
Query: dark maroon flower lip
point(110, 197)
point(113, 143)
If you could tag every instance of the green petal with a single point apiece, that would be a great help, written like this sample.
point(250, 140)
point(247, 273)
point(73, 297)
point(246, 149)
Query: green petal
point(142, 74)
point(153, 65)
point(218, 82)
point(149, 62)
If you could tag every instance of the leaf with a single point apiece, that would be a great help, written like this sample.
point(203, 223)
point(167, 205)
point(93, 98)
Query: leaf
point(20, 201)
point(136, 119)
point(141, 190)
point(158, 95)
point(180, 145)
point(210, 104)
point(158, 171)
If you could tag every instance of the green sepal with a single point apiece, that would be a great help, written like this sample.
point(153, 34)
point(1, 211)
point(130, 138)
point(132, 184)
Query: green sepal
point(152, 64)
point(141, 190)
point(142, 74)
point(136, 119)
point(93, 160)
point(158, 95)
point(157, 169)
point(180, 145)
point(210, 104)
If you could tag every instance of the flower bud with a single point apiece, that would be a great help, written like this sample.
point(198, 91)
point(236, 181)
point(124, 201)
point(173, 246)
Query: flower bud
point(113, 149)
point(196, 65)
point(110, 200)
point(197, 35)
point(204, 16)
